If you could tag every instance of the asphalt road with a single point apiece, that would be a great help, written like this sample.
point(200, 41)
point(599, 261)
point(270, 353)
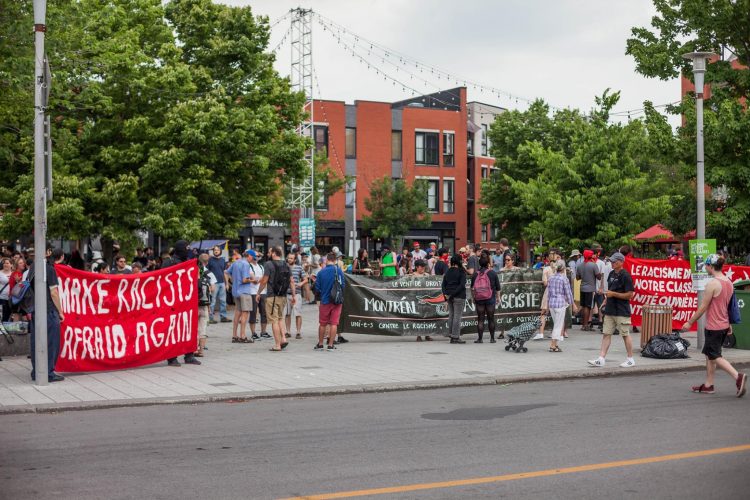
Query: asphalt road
point(290, 447)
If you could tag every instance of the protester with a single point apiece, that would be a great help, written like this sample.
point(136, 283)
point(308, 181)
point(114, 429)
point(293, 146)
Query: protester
point(510, 263)
point(405, 266)
point(329, 312)
point(573, 264)
point(258, 306)
point(547, 273)
point(239, 274)
point(216, 265)
point(441, 262)
point(417, 254)
point(277, 279)
point(617, 311)
point(589, 274)
point(121, 266)
point(472, 263)
point(55, 317)
point(605, 267)
point(206, 284)
point(715, 306)
point(6, 271)
point(387, 261)
point(485, 289)
point(560, 297)
point(454, 291)
point(497, 260)
point(420, 270)
point(17, 276)
point(136, 268)
point(294, 307)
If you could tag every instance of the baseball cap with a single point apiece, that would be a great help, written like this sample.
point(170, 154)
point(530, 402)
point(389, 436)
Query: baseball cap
point(416, 244)
point(617, 256)
point(587, 254)
point(712, 259)
point(575, 253)
point(251, 253)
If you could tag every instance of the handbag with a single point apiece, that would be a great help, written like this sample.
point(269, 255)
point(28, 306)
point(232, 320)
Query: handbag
point(733, 310)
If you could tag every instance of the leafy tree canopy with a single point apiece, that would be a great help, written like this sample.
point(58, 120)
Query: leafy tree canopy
point(394, 207)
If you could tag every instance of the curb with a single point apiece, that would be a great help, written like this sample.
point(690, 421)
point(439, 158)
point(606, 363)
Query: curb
point(243, 397)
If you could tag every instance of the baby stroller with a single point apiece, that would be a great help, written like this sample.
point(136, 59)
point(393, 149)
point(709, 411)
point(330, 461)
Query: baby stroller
point(520, 334)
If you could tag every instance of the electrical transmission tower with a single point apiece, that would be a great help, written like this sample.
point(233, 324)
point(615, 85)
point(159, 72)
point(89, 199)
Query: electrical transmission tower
point(302, 200)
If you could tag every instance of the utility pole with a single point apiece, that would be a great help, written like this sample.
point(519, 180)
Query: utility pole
point(700, 60)
point(40, 198)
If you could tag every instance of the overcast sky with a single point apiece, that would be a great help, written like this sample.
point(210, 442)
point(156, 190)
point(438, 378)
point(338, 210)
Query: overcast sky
point(565, 51)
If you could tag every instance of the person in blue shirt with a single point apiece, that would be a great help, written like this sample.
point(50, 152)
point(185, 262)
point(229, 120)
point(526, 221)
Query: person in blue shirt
point(329, 313)
point(239, 273)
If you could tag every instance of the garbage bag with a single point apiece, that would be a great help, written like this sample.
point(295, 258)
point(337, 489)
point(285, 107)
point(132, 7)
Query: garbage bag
point(666, 347)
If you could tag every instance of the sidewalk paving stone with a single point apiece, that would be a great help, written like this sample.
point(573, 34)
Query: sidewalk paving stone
point(367, 363)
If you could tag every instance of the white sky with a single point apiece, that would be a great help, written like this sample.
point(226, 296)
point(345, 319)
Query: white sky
point(565, 51)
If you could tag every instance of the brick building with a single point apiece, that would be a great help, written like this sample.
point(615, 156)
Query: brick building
point(437, 137)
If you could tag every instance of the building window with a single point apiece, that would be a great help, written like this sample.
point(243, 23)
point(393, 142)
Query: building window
point(351, 193)
point(448, 148)
point(448, 196)
point(484, 172)
point(432, 195)
point(351, 142)
point(495, 231)
point(321, 140)
point(321, 199)
point(396, 137)
point(469, 143)
point(426, 152)
point(484, 232)
point(485, 139)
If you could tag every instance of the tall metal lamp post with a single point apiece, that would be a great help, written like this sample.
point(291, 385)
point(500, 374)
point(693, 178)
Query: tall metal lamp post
point(700, 60)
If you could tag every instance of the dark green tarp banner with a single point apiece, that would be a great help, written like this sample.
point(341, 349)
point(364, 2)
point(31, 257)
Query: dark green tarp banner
point(412, 305)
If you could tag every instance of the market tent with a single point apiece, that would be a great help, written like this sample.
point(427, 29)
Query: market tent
point(656, 234)
point(207, 244)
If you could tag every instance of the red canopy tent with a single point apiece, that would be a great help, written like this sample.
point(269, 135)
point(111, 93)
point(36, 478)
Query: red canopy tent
point(656, 234)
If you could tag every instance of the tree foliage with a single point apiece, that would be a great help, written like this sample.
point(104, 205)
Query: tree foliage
point(167, 118)
point(577, 179)
point(394, 207)
point(723, 27)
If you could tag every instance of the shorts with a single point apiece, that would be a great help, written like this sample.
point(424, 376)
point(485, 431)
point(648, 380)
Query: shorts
point(258, 307)
point(202, 322)
point(587, 299)
point(293, 309)
point(246, 302)
point(619, 323)
point(275, 308)
point(329, 314)
point(545, 300)
point(713, 340)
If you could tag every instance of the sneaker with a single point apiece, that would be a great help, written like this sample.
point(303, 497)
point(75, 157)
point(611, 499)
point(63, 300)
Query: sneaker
point(254, 336)
point(192, 361)
point(341, 340)
point(741, 383)
point(457, 341)
point(173, 362)
point(703, 389)
point(298, 336)
point(598, 362)
point(56, 378)
point(288, 335)
point(212, 321)
point(318, 347)
point(538, 336)
point(226, 320)
point(628, 363)
point(331, 348)
point(265, 335)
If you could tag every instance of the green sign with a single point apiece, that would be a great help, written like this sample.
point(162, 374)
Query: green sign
point(699, 250)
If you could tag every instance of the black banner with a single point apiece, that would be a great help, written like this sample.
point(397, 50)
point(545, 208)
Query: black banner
point(414, 305)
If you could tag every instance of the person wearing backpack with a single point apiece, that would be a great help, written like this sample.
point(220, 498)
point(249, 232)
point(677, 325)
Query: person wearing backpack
point(206, 284)
point(330, 284)
point(485, 289)
point(55, 317)
point(277, 279)
point(716, 301)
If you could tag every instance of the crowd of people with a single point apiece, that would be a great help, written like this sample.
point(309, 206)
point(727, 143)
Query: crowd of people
point(270, 290)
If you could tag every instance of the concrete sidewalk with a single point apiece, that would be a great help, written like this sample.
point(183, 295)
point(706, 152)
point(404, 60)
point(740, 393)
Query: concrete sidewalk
point(366, 363)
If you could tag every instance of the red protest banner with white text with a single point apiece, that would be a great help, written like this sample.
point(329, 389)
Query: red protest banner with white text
point(669, 283)
point(663, 283)
point(117, 321)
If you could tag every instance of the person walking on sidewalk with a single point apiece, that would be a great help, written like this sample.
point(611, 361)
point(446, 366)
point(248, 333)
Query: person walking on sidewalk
point(559, 298)
point(617, 311)
point(715, 306)
point(216, 265)
point(329, 312)
point(485, 290)
point(454, 291)
point(277, 279)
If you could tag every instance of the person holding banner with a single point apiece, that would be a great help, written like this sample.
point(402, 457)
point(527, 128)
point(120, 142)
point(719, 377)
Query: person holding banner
point(454, 291)
point(180, 254)
point(715, 306)
point(388, 263)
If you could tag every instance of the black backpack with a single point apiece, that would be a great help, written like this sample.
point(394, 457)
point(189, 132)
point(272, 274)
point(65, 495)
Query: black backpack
point(337, 291)
point(204, 287)
point(281, 276)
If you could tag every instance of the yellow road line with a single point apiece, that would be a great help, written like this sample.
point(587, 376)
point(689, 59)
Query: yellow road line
point(525, 475)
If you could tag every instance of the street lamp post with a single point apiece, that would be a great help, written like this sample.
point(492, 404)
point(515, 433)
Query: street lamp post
point(700, 60)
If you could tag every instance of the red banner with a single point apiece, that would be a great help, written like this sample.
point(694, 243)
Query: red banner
point(669, 283)
point(117, 321)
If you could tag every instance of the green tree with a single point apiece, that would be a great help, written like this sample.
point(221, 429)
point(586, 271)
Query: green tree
point(594, 182)
point(394, 207)
point(168, 118)
point(723, 27)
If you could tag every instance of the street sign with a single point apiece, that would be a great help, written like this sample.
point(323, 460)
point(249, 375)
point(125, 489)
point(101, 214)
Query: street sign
point(699, 250)
point(306, 233)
